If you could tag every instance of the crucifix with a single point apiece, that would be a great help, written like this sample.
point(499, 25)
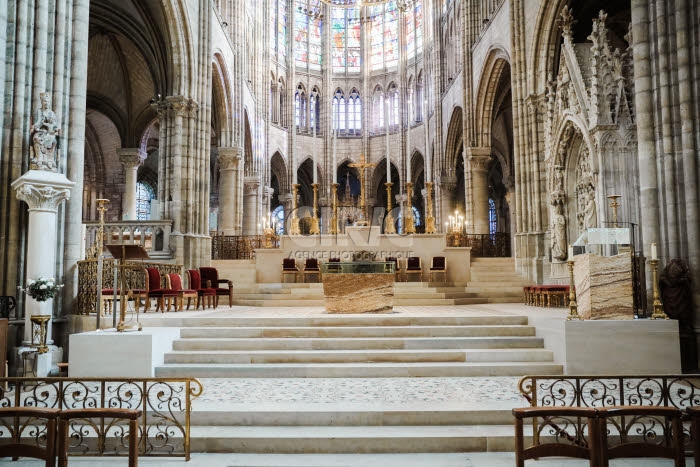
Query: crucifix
point(362, 166)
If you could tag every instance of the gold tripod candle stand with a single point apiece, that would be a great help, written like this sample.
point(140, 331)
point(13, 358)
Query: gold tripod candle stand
point(410, 225)
point(315, 230)
point(573, 306)
point(657, 306)
point(294, 228)
point(429, 219)
point(389, 221)
point(334, 219)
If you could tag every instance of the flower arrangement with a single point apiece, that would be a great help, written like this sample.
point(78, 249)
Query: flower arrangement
point(43, 288)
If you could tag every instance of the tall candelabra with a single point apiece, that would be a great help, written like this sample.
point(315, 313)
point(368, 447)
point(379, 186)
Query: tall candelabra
point(429, 219)
point(573, 306)
point(410, 225)
point(334, 218)
point(658, 306)
point(294, 228)
point(389, 221)
point(315, 230)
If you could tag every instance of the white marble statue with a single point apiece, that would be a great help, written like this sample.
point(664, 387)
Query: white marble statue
point(590, 220)
point(559, 250)
point(45, 132)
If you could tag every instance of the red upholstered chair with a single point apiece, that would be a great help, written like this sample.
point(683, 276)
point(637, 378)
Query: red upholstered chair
point(210, 278)
point(439, 266)
point(311, 267)
point(289, 266)
point(175, 283)
point(195, 281)
point(413, 266)
point(154, 290)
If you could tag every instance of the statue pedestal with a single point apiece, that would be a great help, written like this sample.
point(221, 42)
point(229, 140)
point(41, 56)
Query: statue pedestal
point(604, 286)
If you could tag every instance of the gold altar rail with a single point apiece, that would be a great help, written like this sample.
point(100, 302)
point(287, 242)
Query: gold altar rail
point(240, 246)
point(164, 429)
point(680, 391)
point(153, 236)
point(135, 279)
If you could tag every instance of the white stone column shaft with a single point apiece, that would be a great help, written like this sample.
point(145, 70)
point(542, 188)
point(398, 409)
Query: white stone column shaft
point(479, 164)
point(131, 159)
point(250, 205)
point(229, 159)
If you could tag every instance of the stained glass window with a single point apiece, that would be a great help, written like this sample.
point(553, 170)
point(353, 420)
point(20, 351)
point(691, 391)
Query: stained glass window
point(315, 44)
point(342, 115)
point(144, 195)
point(414, 30)
point(339, 111)
point(345, 40)
point(278, 29)
point(493, 219)
point(307, 36)
point(278, 219)
point(312, 111)
point(354, 112)
point(378, 102)
point(393, 106)
point(297, 109)
point(384, 36)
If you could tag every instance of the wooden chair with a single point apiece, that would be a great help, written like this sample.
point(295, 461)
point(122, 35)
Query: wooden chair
point(558, 417)
point(397, 270)
point(154, 290)
point(15, 448)
point(311, 267)
point(413, 266)
point(289, 266)
point(66, 416)
point(438, 266)
point(210, 278)
point(694, 414)
point(175, 283)
point(204, 294)
point(334, 265)
point(642, 431)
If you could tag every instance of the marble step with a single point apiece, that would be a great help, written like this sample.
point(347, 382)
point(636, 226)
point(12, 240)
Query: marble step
point(343, 414)
point(354, 439)
point(360, 356)
point(385, 343)
point(280, 302)
point(356, 370)
point(358, 332)
point(438, 301)
point(338, 320)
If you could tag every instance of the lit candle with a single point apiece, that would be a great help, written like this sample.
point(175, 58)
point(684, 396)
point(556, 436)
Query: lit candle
point(571, 253)
point(315, 161)
point(653, 251)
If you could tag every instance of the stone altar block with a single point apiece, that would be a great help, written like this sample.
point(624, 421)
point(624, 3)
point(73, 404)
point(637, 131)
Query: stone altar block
point(358, 287)
point(604, 286)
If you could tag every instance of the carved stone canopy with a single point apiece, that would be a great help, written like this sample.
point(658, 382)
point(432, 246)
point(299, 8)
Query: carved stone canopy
point(43, 190)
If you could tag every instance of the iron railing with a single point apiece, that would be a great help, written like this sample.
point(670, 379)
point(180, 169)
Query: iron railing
point(239, 246)
point(678, 391)
point(164, 429)
point(487, 245)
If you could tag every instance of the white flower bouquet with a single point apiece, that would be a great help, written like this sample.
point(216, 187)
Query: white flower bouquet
point(43, 288)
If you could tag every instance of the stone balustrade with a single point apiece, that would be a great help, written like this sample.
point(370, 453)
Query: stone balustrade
point(154, 236)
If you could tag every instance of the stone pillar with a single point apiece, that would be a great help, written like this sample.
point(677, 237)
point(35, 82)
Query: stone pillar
point(267, 193)
point(286, 200)
point(448, 183)
point(229, 159)
point(132, 159)
point(43, 191)
point(479, 165)
point(251, 190)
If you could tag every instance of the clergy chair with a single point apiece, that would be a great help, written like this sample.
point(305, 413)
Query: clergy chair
point(311, 267)
point(289, 266)
point(175, 283)
point(334, 266)
point(438, 266)
point(204, 294)
point(413, 267)
point(210, 278)
point(397, 268)
point(155, 290)
point(26, 419)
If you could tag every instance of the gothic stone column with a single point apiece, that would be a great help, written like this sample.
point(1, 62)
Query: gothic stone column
point(229, 159)
point(448, 183)
point(43, 191)
point(479, 165)
point(132, 159)
point(251, 187)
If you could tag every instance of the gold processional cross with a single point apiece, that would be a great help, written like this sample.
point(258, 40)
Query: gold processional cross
point(362, 166)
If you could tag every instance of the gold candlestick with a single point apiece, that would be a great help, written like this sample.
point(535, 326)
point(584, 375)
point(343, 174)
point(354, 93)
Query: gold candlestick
point(657, 306)
point(389, 221)
point(614, 205)
point(294, 228)
point(334, 219)
point(315, 230)
point(362, 166)
point(573, 306)
point(410, 226)
point(429, 219)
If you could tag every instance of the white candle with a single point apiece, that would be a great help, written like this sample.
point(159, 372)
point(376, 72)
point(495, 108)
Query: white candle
point(334, 168)
point(315, 160)
point(388, 157)
point(408, 137)
point(294, 153)
point(428, 175)
point(571, 253)
point(653, 251)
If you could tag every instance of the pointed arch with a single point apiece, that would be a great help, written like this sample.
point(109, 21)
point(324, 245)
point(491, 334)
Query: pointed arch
point(496, 68)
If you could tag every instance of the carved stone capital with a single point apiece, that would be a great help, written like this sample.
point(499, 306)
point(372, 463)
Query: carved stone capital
point(177, 106)
point(131, 157)
point(229, 158)
point(448, 183)
point(251, 185)
point(42, 190)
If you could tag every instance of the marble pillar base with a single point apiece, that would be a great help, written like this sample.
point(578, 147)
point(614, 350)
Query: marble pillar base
point(31, 363)
point(604, 286)
point(358, 293)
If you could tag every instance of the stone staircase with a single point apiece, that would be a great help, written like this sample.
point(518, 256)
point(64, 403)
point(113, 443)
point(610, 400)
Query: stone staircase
point(493, 280)
point(337, 351)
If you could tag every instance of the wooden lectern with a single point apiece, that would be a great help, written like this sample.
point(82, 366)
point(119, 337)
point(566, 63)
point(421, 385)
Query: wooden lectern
point(124, 252)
